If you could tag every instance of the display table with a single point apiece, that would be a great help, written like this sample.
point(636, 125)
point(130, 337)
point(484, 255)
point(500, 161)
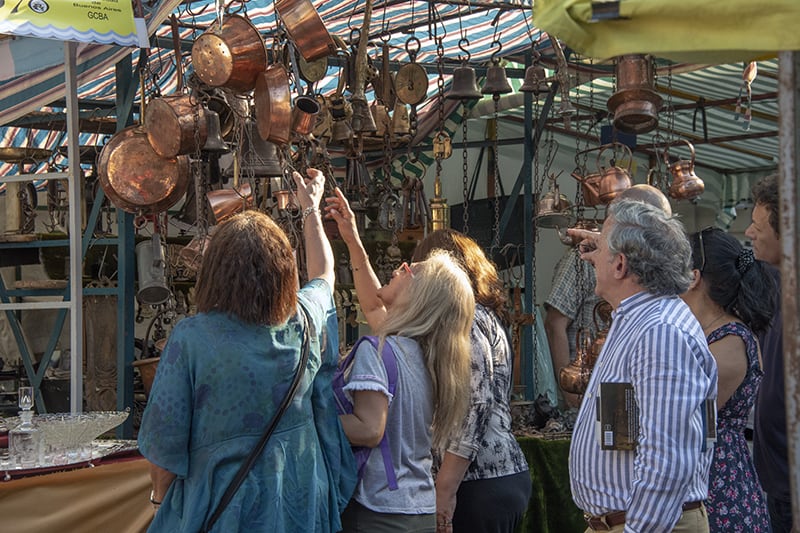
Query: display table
point(551, 509)
point(114, 495)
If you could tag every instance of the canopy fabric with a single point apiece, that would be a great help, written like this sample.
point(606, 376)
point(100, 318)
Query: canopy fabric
point(680, 30)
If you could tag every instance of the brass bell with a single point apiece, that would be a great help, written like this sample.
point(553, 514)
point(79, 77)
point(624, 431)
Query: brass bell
point(496, 81)
point(214, 142)
point(401, 125)
point(464, 86)
point(362, 121)
point(535, 80)
point(341, 132)
point(380, 116)
point(258, 158)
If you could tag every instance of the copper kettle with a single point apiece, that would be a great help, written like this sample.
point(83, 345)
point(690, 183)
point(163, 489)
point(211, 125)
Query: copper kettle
point(601, 316)
point(589, 187)
point(614, 179)
point(574, 378)
point(686, 185)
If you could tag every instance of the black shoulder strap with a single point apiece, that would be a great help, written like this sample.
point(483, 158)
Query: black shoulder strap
point(238, 479)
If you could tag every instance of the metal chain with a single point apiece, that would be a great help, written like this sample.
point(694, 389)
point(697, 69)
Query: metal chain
point(496, 172)
point(199, 180)
point(465, 166)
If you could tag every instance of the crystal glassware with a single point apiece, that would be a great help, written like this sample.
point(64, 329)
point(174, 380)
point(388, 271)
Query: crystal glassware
point(25, 443)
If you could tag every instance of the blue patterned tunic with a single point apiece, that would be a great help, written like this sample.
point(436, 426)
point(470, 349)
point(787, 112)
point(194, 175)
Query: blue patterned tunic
point(219, 382)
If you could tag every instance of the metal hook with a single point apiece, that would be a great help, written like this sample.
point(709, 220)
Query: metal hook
point(462, 44)
point(499, 49)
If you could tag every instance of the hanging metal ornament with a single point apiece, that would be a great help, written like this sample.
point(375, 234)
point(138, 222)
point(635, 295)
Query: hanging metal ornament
point(411, 81)
point(464, 85)
point(496, 79)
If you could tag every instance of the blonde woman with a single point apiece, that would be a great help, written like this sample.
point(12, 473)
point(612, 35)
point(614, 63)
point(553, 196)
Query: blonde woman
point(425, 314)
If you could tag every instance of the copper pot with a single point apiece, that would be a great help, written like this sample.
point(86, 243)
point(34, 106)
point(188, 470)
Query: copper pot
point(305, 28)
point(635, 104)
point(230, 56)
point(135, 178)
point(227, 202)
point(686, 185)
point(273, 105)
point(175, 125)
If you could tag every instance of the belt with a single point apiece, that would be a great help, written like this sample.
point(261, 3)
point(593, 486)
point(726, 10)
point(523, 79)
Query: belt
point(617, 518)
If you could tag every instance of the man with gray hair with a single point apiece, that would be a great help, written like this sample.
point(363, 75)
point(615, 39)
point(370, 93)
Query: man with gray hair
point(656, 348)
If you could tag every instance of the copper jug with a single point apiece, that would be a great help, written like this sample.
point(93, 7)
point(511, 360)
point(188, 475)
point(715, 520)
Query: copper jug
point(614, 179)
point(574, 378)
point(686, 185)
point(635, 104)
point(602, 317)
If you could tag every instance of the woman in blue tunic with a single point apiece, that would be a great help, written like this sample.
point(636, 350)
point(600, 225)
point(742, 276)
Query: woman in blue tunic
point(225, 371)
point(732, 296)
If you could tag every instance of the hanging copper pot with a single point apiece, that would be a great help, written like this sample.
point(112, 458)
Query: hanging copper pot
point(635, 104)
point(305, 28)
point(273, 104)
point(230, 56)
point(175, 125)
point(686, 185)
point(574, 378)
point(227, 202)
point(135, 178)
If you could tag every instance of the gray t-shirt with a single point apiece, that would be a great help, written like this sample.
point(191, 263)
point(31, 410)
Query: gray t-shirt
point(408, 427)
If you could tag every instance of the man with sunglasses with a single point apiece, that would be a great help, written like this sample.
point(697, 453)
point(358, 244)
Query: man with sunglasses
point(770, 452)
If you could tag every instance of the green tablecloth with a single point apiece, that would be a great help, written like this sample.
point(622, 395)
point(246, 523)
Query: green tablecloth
point(551, 509)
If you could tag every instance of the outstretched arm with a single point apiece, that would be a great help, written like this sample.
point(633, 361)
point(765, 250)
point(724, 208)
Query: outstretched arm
point(319, 255)
point(364, 278)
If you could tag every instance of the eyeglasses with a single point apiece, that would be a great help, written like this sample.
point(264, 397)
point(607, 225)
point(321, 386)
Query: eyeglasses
point(404, 266)
point(703, 247)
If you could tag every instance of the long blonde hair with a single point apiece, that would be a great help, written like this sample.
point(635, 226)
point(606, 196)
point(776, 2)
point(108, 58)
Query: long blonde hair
point(437, 311)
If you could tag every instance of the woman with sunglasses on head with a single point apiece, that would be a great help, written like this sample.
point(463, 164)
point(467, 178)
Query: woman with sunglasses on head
point(732, 296)
point(482, 484)
point(424, 314)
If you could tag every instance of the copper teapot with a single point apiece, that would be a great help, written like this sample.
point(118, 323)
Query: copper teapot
point(686, 185)
point(612, 180)
point(589, 187)
point(574, 378)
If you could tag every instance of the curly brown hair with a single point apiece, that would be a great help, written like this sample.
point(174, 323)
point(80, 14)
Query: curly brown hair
point(249, 271)
point(486, 284)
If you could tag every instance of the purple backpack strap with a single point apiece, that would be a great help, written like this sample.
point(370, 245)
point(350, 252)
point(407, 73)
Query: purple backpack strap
point(345, 406)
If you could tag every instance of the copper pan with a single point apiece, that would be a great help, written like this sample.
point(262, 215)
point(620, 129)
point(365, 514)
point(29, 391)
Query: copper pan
point(305, 28)
point(135, 178)
point(231, 56)
point(175, 125)
point(274, 105)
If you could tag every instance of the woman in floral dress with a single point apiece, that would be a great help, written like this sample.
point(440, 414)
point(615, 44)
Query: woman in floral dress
point(732, 297)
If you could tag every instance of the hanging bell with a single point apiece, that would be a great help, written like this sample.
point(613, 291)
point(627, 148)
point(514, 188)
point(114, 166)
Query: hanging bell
point(214, 142)
point(401, 125)
point(362, 121)
point(464, 86)
point(535, 80)
point(496, 81)
point(258, 158)
point(341, 132)
point(566, 109)
point(380, 116)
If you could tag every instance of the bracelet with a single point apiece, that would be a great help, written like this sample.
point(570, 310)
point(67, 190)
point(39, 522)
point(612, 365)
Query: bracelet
point(308, 211)
point(152, 499)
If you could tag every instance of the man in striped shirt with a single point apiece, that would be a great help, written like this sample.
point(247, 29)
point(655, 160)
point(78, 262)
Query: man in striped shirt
point(642, 264)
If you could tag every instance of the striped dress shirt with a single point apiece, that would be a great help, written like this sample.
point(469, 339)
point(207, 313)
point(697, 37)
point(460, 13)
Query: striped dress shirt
point(656, 344)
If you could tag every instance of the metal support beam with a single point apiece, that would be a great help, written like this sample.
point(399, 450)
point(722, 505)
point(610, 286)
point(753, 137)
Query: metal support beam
point(789, 193)
point(75, 245)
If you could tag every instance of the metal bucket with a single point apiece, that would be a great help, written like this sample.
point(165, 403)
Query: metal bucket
point(151, 266)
